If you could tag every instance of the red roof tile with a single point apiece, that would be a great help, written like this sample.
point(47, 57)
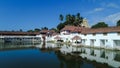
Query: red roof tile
point(44, 31)
point(76, 38)
point(100, 30)
point(72, 28)
point(57, 37)
point(18, 33)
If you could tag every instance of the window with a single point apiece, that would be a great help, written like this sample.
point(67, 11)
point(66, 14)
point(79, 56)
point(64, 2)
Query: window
point(83, 41)
point(116, 42)
point(85, 34)
point(92, 41)
point(105, 34)
point(106, 40)
point(102, 42)
point(94, 34)
point(118, 33)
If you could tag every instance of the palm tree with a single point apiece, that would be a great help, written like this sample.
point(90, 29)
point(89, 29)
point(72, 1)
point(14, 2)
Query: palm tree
point(118, 23)
point(61, 17)
point(78, 20)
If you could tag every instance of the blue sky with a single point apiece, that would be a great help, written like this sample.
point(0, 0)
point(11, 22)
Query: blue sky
point(30, 14)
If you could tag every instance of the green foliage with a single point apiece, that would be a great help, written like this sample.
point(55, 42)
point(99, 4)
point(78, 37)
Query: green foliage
point(44, 28)
point(54, 29)
point(21, 30)
point(61, 17)
point(30, 31)
point(75, 20)
point(60, 26)
point(118, 23)
point(100, 25)
point(36, 30)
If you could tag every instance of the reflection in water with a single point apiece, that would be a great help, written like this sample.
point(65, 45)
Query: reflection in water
point(76, 57)
point(8, 46)
point(102, 57)
point(102, 53)
point(48, 55)
point(117, 57)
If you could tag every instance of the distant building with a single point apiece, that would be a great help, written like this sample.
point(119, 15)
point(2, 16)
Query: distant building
point(47, 34)
point(17, 33)
point(26, 37)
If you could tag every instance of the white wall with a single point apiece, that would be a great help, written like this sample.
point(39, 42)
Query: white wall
point(109, 39)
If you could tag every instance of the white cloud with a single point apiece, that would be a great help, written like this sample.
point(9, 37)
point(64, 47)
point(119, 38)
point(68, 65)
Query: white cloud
point(103, 7)
point(113, 18)
point(112, 5)
point(96, 10)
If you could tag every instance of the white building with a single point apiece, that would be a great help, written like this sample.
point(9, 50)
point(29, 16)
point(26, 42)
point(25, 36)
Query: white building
point(102, 37)
point(108, 37)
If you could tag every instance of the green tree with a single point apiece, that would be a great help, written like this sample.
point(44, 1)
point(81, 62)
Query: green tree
point(67, 20)
point(30, 31)
point(36, 30)
point(21, 30)
point(118, 23)
point(78, 15)
point(78, 20)
point(75, 20)
point(100, 25)
point(61, 17)
point(44, 28)
point(54, 29)
point(60, 26)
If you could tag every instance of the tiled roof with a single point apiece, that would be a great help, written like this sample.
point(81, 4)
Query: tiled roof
point(72, 28)
point(55, 34)
point(77, 29)
point(46, 31)
point(57, 37)
point(76, 38)
point(100, 30)
point(18, 33)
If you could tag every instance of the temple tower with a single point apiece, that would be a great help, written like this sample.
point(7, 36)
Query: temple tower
point(85, 23)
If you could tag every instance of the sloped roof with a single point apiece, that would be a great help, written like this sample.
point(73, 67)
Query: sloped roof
point(72, 28)
point(18, 33)
point(100, 30)
point(46, 31)
point(77, 29)
point(55, 33)
point(57, 37)
point(76, 38)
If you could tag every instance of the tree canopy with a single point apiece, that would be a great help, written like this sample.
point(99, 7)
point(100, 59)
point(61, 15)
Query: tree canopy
point(100, 25)
point(44, 28)
point(37, 29)
point(75, 20)
point(118, 23)
point(61, 17)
